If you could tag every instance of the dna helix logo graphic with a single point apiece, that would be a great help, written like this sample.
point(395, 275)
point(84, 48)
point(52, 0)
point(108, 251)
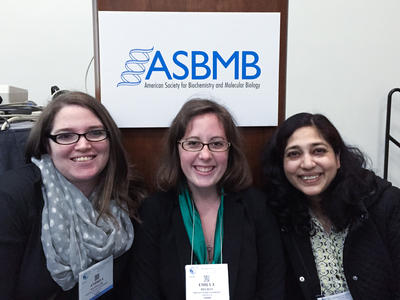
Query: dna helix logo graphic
point(135, 67)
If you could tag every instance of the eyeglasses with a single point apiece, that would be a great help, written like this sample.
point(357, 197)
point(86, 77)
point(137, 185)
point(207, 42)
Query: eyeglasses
point(69, 138)
point(195, 146)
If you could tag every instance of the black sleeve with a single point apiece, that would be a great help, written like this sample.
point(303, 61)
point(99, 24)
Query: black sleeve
point(271, 264)
point(12, 243)
point(146, 253)
point(392, 197)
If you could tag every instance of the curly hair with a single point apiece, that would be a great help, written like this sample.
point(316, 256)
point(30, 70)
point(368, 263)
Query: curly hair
point(340, 201)
point(119, 181)
point(237, 175)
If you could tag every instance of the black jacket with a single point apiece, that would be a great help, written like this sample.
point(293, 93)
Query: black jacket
point(251, 248)
point(371, 256)
point(23, 271)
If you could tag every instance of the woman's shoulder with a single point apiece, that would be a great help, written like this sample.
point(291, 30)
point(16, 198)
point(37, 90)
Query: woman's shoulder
point(384, 194)
point(251, 192)
point(21, 179)
point(379, 188)
point(163, 197)
point(254, 199)
point(20, 195)
point(159, 202)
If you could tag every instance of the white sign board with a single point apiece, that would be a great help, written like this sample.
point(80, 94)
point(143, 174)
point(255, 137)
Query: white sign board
point(152, 62)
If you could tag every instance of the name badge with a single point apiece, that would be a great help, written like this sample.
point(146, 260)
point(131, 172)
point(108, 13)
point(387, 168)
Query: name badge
point(341, 296)
point(207, 282)
point(96, 280)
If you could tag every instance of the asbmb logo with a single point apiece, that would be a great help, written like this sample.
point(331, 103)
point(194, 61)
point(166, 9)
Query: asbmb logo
point(193, 65)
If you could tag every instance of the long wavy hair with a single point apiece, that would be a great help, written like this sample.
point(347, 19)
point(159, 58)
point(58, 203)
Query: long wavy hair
point(340, 201)
point(170, 175)
point(118, 181)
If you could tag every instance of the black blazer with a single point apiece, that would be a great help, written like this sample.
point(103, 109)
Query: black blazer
point(23, 271)
point(371, 254)
point(251, 248)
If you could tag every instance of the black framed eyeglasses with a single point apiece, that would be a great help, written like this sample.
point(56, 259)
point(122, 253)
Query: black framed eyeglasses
point(68, 138)
point(195, 146)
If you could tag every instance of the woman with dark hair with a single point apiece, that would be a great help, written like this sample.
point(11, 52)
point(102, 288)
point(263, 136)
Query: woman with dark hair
point(206, 220)
point(340, 223)
point(66, 216)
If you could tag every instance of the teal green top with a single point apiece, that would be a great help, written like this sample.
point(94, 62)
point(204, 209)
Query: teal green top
point(198, 242)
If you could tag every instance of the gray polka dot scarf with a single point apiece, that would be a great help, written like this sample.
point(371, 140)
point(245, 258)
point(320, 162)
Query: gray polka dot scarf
point(71, 239)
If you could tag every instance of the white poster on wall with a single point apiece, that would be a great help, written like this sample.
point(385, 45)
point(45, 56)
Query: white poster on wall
point(152, 62)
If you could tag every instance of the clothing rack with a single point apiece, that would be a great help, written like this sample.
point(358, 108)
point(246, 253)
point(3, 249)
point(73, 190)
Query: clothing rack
point(17, 113)
point(388, 137)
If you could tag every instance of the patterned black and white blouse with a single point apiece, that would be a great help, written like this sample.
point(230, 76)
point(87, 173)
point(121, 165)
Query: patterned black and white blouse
point(328, 254)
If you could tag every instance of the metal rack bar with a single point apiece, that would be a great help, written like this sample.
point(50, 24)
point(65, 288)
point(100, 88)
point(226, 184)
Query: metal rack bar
point(388, 137)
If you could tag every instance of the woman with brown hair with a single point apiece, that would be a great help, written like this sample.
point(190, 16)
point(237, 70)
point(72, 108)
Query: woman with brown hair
point(66, 216)
point(206, 232)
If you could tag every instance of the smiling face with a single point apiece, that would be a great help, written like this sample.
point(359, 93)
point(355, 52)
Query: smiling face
point(310, 163)
point(204, 169)
point(82, 162)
